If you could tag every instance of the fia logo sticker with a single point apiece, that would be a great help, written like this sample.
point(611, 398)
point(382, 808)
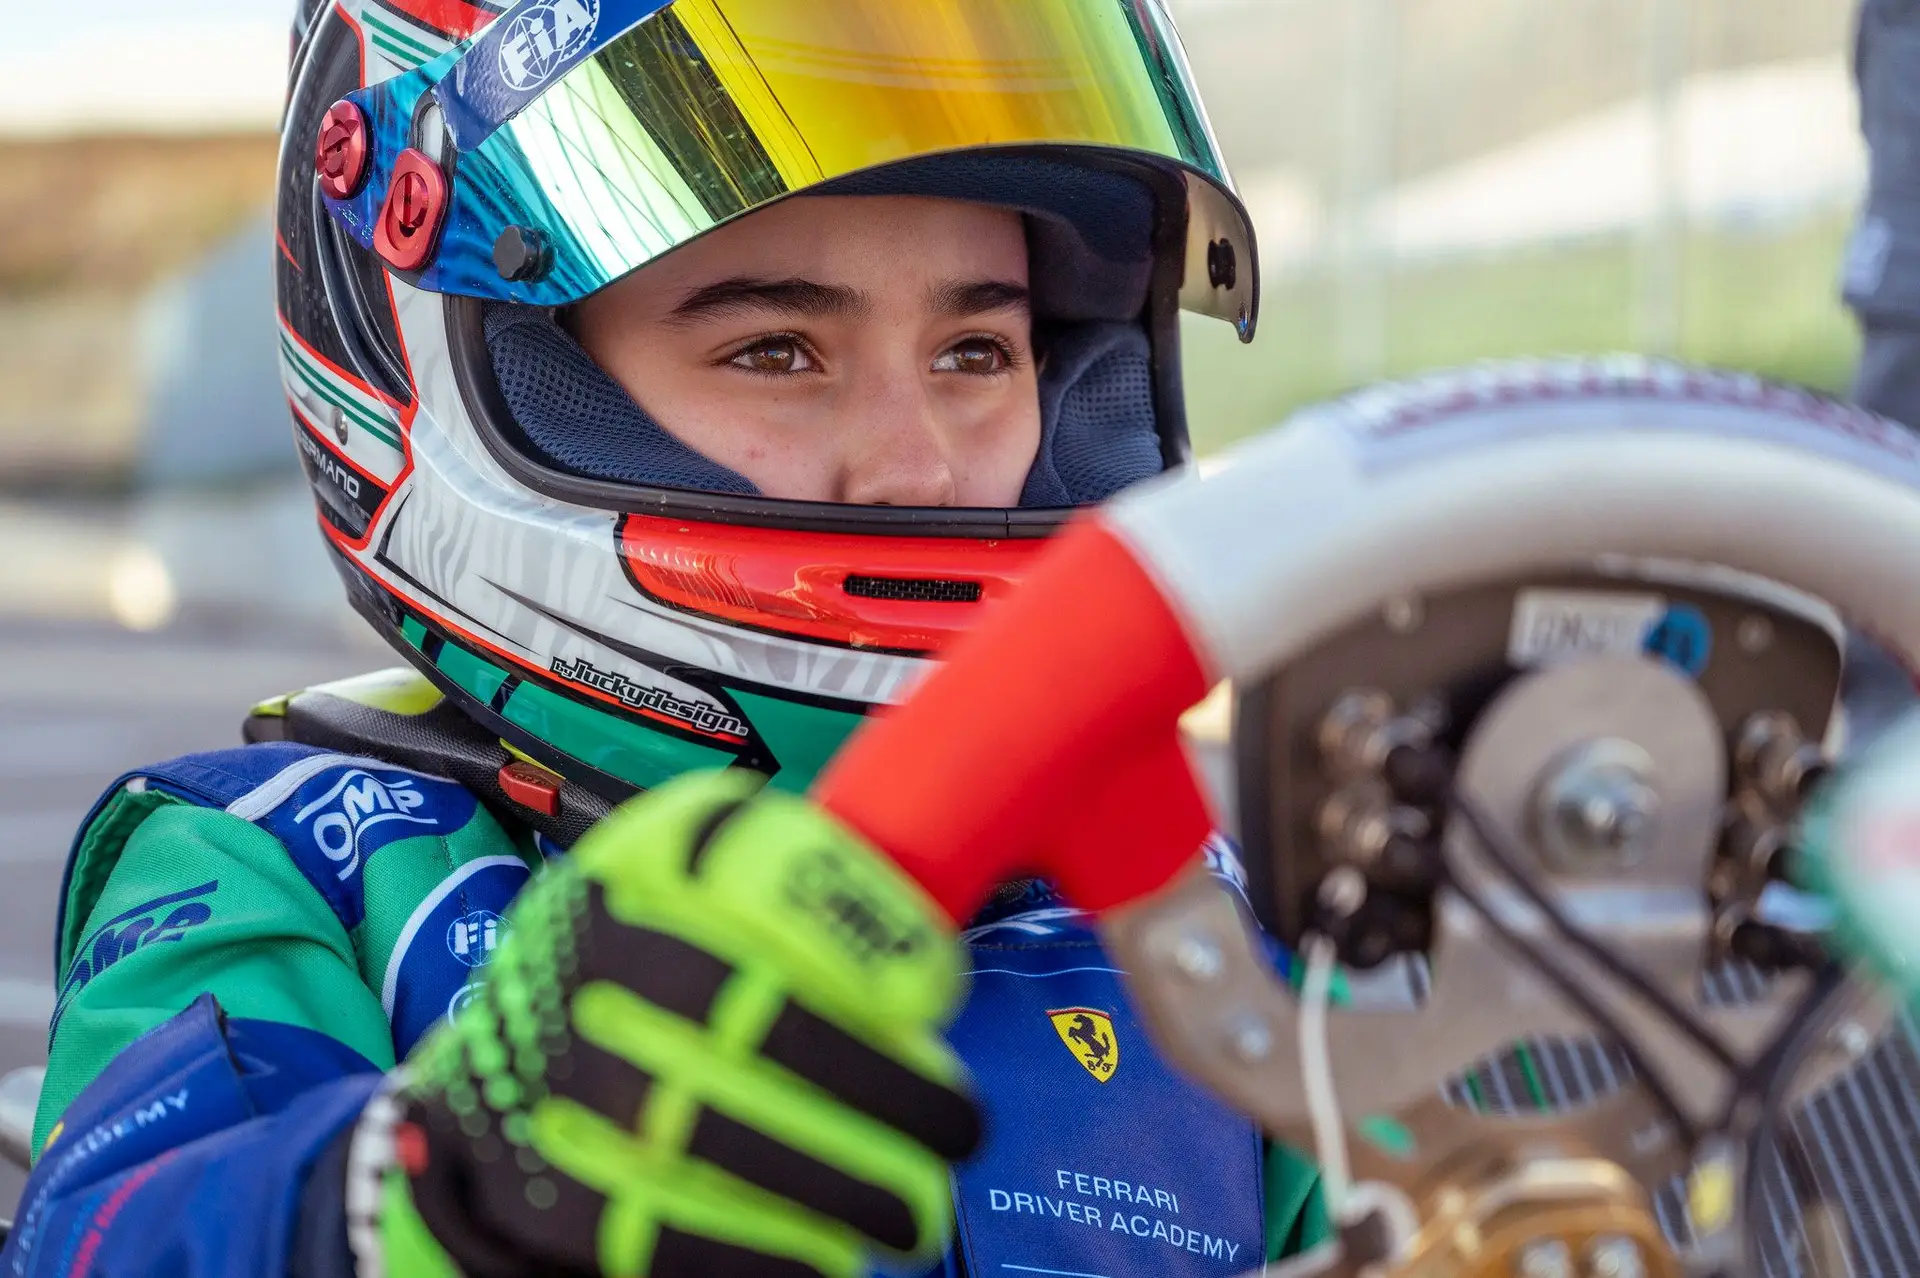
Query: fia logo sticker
point(1089, 1036)
point(473, 938)
point(544, 38)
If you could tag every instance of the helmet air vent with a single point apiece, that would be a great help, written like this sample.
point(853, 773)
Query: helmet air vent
point(913, 589)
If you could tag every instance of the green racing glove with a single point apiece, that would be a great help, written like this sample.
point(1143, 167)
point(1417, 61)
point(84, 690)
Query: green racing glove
point(710, 1045)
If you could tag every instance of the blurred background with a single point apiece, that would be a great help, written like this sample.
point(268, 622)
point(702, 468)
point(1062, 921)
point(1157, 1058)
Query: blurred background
point(1434, 181)
point(1438, 181)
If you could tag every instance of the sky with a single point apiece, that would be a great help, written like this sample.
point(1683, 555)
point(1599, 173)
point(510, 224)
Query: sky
point(140, 64)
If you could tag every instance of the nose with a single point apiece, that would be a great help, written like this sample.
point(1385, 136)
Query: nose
point(896, 451)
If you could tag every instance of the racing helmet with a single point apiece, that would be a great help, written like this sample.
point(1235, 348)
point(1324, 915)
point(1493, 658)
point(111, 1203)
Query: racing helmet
point(609, 603)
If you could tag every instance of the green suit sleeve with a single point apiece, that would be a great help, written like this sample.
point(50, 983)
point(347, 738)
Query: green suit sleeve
point(197, 902)
point(1296, 1209)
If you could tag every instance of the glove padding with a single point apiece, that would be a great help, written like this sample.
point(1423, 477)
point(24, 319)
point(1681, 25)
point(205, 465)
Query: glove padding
point(709, 1046)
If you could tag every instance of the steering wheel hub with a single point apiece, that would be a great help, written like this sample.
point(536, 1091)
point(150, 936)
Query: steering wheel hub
point(1534, 668)
point(1597, 810)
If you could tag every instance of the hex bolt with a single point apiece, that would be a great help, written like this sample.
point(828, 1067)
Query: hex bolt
point(1615, 1258)
point(1198, 958)
point(1775, 757)
point(1249, 1039)
point(1404, 614)
point(1350, 729)
point(1223, 264)
point(1549, 1258)
point(1358, 821)
point(1754, 845)
point(1851, 1039)
point(1598, 810)
point(522, 254)
point(1343, 891)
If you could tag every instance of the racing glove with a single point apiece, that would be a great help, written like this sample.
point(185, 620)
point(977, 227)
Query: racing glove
point(709, 1046)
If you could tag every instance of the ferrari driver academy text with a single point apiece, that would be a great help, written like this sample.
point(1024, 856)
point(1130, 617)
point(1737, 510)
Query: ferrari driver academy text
point(1130, 1209)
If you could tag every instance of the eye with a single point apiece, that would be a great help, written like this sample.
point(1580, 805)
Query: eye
point(979, 356)
point(775, 356)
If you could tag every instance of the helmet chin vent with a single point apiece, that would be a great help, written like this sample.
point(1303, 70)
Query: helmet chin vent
point(913, 589)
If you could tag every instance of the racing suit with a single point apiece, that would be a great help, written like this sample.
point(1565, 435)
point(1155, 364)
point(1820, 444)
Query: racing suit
point(247, 939)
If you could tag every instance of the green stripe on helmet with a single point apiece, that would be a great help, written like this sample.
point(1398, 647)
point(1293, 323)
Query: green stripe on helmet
point(794, 738)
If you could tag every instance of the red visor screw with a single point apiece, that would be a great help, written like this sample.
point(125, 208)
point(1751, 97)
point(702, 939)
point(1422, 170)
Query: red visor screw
point(410, 218)
point(340, 156)
point(411, 204)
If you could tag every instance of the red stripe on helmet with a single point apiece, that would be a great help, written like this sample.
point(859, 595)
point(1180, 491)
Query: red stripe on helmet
point(910, 595)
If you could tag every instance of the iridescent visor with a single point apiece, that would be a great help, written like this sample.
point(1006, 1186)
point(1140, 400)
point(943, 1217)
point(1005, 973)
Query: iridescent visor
point(603, 133)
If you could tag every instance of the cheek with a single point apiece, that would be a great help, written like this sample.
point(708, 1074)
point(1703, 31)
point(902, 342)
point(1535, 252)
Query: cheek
point(998, 446)
point(761, 436)
point(759, 431)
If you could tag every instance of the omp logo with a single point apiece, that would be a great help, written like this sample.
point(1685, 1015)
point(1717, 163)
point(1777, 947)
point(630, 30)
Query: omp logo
point(543, 38)
point(474, 938)
point(358, 802)
point(166, 918)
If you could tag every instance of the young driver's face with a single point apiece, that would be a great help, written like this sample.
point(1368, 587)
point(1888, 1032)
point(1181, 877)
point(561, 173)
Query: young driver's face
point(872, 350)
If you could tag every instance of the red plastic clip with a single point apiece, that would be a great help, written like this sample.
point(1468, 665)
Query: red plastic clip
point(532, 787)
point(415, 208)
point(340, 154)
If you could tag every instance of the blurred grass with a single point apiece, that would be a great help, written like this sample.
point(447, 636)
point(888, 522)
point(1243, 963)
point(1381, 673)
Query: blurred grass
point(1762, 300)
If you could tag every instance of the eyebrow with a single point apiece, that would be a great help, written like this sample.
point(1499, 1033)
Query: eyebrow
point(959, 298)
point(805, 298)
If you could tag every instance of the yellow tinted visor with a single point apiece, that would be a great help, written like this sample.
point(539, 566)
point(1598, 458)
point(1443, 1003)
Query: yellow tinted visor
point(707, 109)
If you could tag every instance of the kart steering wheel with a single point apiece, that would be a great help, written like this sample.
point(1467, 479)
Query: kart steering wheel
point(1534, 666)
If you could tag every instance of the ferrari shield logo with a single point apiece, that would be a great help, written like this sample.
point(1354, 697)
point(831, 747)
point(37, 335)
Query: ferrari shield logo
point(1089, 1036)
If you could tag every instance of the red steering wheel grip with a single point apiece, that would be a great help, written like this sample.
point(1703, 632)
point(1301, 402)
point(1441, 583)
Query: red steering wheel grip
point(1047, 743)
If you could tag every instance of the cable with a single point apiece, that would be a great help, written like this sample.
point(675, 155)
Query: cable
point(1772, 1076)
point(1316, 1073)
point(1494, 844)
point(1569, 988)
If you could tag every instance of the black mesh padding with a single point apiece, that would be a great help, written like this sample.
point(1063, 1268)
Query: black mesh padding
point(1098, 432)
point(580, 418)
point(443, 742)
point(913, 589)
point(1098, 429)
